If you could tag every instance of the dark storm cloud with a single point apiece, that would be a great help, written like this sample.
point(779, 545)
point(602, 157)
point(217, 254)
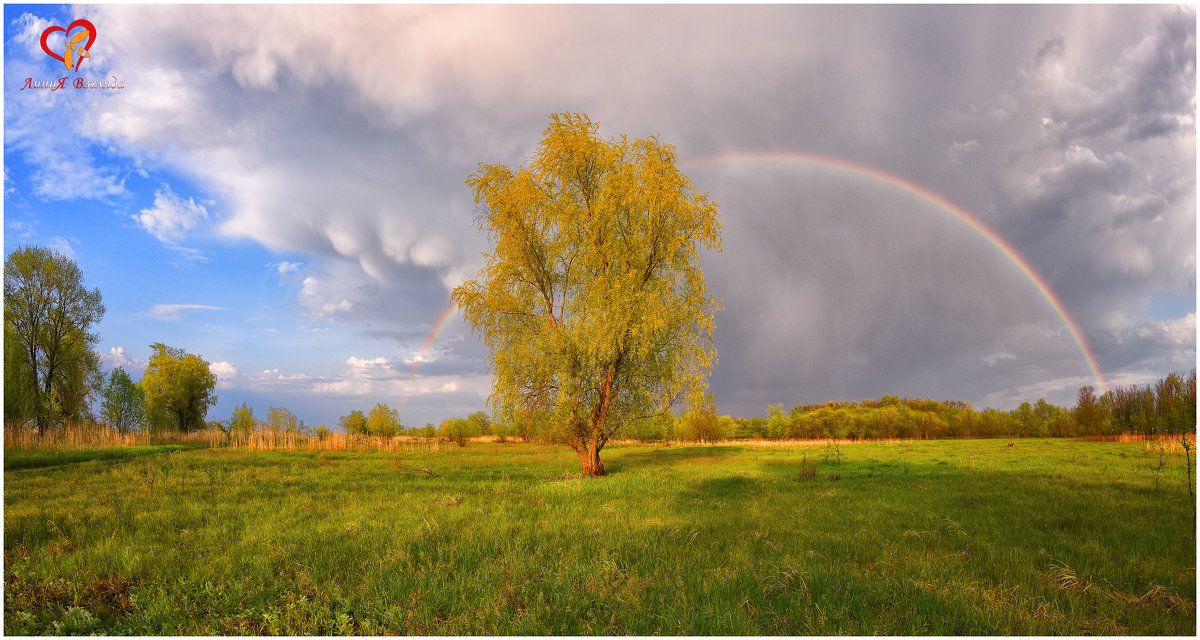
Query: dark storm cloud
point(840, 287)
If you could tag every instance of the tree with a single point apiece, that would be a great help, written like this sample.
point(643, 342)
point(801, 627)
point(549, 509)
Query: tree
point(20, 389)
point(592, 302)
point(702, 422)
point(242, 423)
point(48, 314)
point(283, 420)
point(481, 424)
point(1089, 413)
point(353, 423)
point(778, 422)
point(383, 421)
point(456, 429)
point(123, 403)
point(179, 389)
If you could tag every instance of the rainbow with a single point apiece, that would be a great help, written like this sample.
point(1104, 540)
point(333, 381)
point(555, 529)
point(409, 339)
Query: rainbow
point(921, 193)
point(438, 325)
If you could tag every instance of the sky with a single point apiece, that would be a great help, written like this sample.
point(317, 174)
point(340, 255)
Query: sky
point(953, 202)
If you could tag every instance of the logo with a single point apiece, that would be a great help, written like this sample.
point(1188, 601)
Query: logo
point(75, 51)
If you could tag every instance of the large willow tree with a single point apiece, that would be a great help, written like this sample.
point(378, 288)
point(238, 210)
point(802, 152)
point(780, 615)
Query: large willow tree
point(592, 301)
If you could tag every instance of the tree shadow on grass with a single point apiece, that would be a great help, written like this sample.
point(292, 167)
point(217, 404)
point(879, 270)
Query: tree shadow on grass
point(16, 459)
point(631, 459)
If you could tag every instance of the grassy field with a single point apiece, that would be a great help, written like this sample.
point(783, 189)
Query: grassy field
point(931, 537)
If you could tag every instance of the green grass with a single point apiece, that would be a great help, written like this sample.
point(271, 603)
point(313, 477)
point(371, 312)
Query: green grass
point(939, 537)
point(37, 458)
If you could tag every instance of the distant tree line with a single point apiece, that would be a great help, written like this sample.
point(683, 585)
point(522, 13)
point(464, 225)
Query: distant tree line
point(384, 421)
point(1165, 407)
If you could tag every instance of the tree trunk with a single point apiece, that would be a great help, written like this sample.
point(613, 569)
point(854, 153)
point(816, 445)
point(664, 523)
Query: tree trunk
point(589, 457)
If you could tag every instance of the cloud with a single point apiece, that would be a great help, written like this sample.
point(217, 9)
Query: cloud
point(63, 246)
point(288, 271)
point(66, 163)
point(226, 373)
point(961, 150)
point(362, 376)
point(377, 379)
point(176, 311)
point(1094, 173)
point(171, 217)
point(116, 357)
point(29, 30)
point(1067, 130)
point(24, 231)
point(1154, 345)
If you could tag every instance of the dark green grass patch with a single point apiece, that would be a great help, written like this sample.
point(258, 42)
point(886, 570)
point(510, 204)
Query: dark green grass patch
point(15, 459)
point(953, 537)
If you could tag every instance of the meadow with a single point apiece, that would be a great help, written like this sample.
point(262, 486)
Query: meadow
point(1045, 537)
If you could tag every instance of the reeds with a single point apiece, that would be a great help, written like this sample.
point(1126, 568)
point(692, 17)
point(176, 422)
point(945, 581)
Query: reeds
point(100, 435)
point(69, 436)
point(275, 440)
point(1151, 440)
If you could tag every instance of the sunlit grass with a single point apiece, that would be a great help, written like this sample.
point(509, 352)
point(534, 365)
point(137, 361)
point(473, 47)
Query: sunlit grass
point(947, 537)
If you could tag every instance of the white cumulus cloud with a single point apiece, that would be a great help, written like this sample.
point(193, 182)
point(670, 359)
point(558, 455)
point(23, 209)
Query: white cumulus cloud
point(226, 373)
point(171, 217)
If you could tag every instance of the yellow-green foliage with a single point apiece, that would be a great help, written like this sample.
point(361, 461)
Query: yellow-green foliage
point(383, 421)
point(179, 389)
point(592, 302)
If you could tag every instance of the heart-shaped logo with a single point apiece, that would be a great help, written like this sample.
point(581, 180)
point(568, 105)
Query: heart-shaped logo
point(75, 51)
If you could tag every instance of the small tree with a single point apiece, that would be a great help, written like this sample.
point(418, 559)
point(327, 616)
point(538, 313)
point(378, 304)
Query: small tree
point(354, 423)
point(481, 424)
point(383, 421)
point(592, 302)
point(179, 389)
point(778, 422)
point(665, 425)
point(123, 403)
point(702, 422)
point(283, 420)
point(242, 423)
